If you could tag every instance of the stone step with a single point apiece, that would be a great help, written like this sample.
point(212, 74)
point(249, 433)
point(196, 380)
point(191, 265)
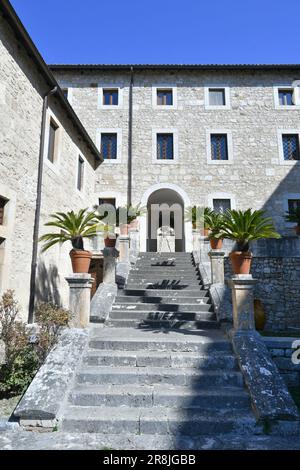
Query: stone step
point(163, 300)
point(200, 378)
point(164, 269)
point(148, 396)
point(160, 359)
point(195, 293)
point(150, 324)
point(157, 420)
point(160, 315)
point(163, 277)
point(152, 264)
point(162, 285)
point(159, 307)
point(130, 339)
point(177, 254)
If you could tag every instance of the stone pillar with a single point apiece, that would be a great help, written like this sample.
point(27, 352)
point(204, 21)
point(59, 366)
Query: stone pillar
point(79, 299)
point(217, 266)
point(134, 236)
point(242, 287)
point(124, 248)
point(109, 265)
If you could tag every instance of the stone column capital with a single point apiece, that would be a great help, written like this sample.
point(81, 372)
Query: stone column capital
point(216, 254)
point(80, 285)
point(242, 288)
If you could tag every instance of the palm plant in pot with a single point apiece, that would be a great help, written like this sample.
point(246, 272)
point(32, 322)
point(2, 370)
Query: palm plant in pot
point(293, 215)
point(198, 216)
point(214, 222)
point(245, 227)
point(126, 217)
point(74, 227)
point(109, 235)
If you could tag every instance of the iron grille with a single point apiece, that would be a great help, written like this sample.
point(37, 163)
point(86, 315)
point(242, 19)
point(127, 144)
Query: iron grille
point(219, 148)
point(109, 146)
point(291, 147)
point(165, 147)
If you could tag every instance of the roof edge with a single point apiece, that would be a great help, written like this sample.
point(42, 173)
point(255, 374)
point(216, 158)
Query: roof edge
point(14, 21)
point(128, 67)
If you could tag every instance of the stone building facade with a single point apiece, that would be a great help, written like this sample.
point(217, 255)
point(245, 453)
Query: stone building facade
point(252, 106)
point(24, 81)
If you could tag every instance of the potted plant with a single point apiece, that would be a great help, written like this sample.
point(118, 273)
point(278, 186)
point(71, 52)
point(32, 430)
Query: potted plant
point(109, 235)
point(127, 217)
point(293, 216)
point(214, 222)
point(74, 227)
point(198, 216)
point(244, 227)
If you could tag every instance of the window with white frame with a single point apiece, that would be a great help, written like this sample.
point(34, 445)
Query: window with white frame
point(221, 205)
point(219, 146)
point(164, 97)
point(52, 141)
point(110, 97)
point(217, 97)
point(286, 97)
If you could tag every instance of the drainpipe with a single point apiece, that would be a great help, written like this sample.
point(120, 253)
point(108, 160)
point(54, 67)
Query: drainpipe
point(38, 207)
point(129, 187)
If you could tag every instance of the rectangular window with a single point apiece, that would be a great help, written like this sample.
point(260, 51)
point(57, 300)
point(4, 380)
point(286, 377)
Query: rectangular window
point(219, 147)
point(109, 146)
point(285, 97)
point(2, 205)
point(80, 173)
point(217, 97)
point(52, 141)
point(293, 204)
point(110, 97)
point(290, 144)
point(221, 205)
point(165, 147)
point(164, 97)
point(108, 200)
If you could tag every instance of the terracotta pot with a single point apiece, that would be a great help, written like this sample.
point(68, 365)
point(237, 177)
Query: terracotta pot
point(124, 229)
point(259, 315)
point(240, 261)
point(81, 260)
point(216, 243)
point(110, 242)
point(297, 229)
point(204, 232)
point(134, 224)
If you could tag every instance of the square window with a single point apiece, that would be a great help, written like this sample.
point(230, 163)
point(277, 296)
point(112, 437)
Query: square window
point(80, 173)
point(109, 146)
point(221, 205)
point(110, 97)
point(52, 140)
point(107, 200)
point(2, 206)
point(285, 97)
point(290, 144)
point(219, 147)
point(217, 97)
point(165, 147)
point(293, 204)
point(164, 97)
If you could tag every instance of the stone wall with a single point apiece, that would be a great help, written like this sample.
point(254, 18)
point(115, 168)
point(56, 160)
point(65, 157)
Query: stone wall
point(278, 289)
point(21, 99)
point(281, 351)
point(256, 178)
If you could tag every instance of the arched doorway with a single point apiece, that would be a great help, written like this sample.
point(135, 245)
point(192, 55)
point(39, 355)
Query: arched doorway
point(165, 202)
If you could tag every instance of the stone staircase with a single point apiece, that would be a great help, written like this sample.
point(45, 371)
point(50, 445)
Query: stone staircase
point(160, 365)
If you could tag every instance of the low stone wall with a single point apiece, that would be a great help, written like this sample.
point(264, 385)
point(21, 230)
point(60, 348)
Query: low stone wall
point(278, 289)
point(281, 351)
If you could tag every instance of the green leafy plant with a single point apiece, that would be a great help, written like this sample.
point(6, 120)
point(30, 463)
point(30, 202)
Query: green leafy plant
point(293, 216)
point(214, 223)
point(24, 352)
point(127, 214)
point(198, 216)
point(247, 226)
point(74, 227)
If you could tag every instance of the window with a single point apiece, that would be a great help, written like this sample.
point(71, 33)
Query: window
point(221, 205)
point(164, 97)
point(108, 200)
point(80, 173)
point(285, 97)
point(293, 204)
point(110, 97)
point(216, 97)
point(290, 143)
point(2, 205)
point(109, 146)
point(52, 141)
point(219, 147)
point(165, 147)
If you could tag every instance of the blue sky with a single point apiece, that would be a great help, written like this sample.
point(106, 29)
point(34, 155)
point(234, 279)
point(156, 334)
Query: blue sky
point(163, 31)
